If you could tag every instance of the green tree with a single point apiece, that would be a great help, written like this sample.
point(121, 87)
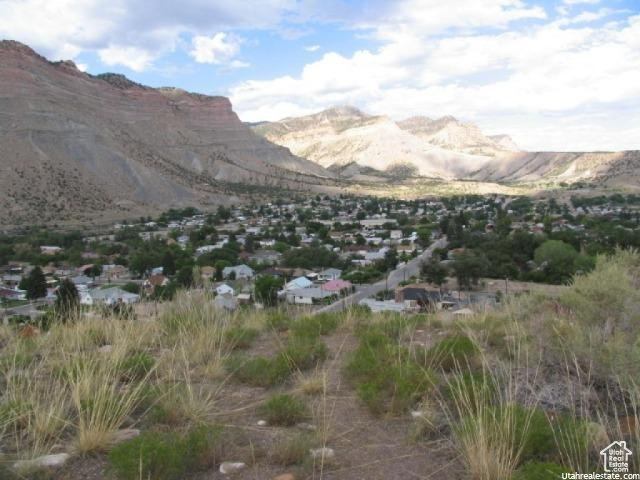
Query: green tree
point(35, 284)
point(434, 271)
point(185, 276)
point(266, 289)
point(468, 268)
point(67, 303)
point(168, 263)
point(557, 260)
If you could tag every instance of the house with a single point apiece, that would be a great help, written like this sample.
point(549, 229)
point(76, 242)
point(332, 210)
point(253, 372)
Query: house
point(114, 272)
point(337, 286)
point(114, 295)
point(388, 306)
point(329, 274)
point(11, 280)
point(10, 294)
point(238, 271)
point(308, 296)
point(82, 280)
point(422, 295)
point(50, 249)
point(298, 283)
point(265, 256)
point(224, 289)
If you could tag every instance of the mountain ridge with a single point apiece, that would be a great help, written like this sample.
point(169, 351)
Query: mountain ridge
point(80, 144)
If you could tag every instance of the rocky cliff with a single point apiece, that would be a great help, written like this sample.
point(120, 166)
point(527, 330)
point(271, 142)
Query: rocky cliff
point(76, 146)
point(340, 136)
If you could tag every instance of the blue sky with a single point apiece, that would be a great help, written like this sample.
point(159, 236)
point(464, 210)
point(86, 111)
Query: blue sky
point(556, 75)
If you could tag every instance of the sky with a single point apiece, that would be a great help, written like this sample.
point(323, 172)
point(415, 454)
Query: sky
point(560, 75)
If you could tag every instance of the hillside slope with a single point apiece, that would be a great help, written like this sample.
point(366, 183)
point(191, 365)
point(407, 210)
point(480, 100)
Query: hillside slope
point(72, 144)
point(610, 168)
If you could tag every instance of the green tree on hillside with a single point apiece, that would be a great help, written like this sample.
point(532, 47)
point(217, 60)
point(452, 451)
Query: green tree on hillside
point(468, 268)
point(434, 271)
point(35, 284)
point(266, 289)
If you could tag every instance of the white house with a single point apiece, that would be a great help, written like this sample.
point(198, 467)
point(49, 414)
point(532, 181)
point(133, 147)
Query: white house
point(225, 289)
point(329, 274)
point(307, 296)
point(111, 296)
point(240, 271)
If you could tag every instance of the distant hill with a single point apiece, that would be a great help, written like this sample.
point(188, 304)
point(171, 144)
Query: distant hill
point(363, 147)
point(340, 136)
point(77, 146)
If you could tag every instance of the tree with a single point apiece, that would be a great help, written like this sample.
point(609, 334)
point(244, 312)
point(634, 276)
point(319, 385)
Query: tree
point(35, 284)
point(185, 276)
point(95, 270)
point(434, 271)
point(557, 260)
point(266, 289)
point(391, 258)
point(68, 301)
point(168, 264)
point(468, 268)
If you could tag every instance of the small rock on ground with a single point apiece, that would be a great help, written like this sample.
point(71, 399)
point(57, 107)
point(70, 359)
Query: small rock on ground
point(124, 435)
point(227, 468)
point(322, 452)
point(46, 461)
point(285, 476)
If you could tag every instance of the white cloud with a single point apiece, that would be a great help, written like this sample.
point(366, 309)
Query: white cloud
point(133, 33)
point(581, 2)
point(312, 48)
point(539, 84)
point(83, 67)
point(218, 49)
point(136, 59)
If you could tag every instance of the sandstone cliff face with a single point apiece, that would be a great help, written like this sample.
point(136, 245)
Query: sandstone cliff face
point(443, 148)
point(73, 145)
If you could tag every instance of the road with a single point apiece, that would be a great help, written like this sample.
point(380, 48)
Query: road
point(394, 278)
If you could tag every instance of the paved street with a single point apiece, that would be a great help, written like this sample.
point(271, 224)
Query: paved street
point(391, 282)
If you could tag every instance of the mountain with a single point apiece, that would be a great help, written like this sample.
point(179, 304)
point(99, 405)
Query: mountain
point(621, 169)
point(341, 136)
point(75, 146)
point(451, 134)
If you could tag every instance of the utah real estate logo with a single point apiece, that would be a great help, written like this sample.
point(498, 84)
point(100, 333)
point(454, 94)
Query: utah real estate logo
point(616, 457)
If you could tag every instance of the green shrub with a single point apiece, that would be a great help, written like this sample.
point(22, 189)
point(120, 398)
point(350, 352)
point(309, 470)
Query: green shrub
point(302, 355)
point(395, 388)
point(167, 456)
point(291, 451)
point(539, 471)
point(136, 366)
point(255, 371)
point(313, 327)
point(203, 447)
point(474, 389)
point(451, 353)
point(151, 455)
point(285, 410)
point(241, 337)
point(387, 380)
point(279, 322)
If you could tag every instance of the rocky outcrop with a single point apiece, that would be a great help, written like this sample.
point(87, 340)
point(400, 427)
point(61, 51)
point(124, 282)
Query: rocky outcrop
point(342, 136)
point(72, 144)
